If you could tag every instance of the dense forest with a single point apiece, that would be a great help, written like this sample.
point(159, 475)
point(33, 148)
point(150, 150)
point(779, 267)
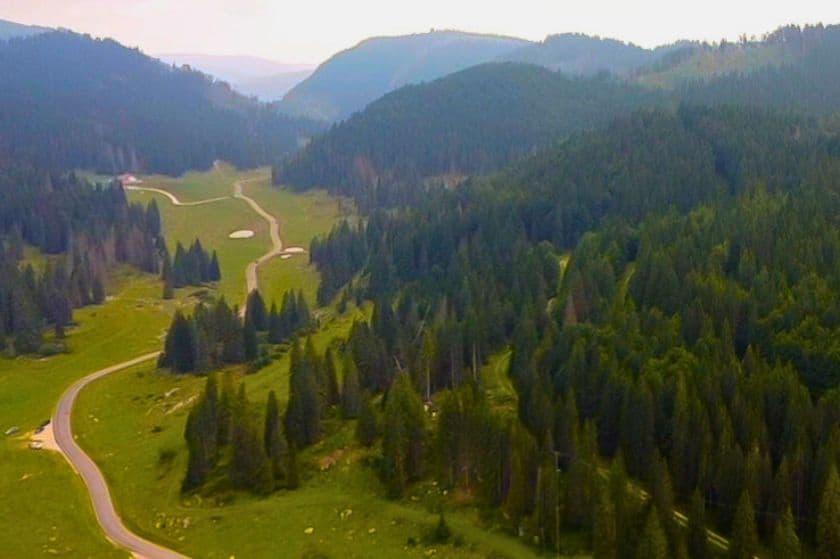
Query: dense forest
point(85, 229)
point(471, 122)
point(68, 101)
point(476, 121)
point(687, 339)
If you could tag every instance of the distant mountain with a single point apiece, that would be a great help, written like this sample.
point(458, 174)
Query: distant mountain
point(251, 75)
point(351, 79)
point(10, 30)
point(70, 101)
point(473, 121)
point(577, 54)
point(273, 87)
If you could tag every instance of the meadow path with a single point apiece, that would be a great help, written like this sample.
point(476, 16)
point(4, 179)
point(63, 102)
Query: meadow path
point(100, 497)
point(174, 199)
point(274, 230)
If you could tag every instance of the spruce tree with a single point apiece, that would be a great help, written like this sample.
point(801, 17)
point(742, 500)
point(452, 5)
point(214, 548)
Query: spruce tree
point(785, 543)
point(333, 395)
point(250, 467)
point(166, 276)
point(275, 331)
point(367, 428)
point(828, 518)
point(350, 389)
point(604, 529)
point(249, 338)
point(292, 474)
point(697, 539)
point(744, 541)
point(303, 412)
point(179, 348)
point(255, 310)
point(215, 272)
point(201, 436)
point(275, 441)
point(652, 543)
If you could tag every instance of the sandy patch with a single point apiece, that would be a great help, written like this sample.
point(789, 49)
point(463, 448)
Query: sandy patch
point(44, 440)
point(242, 234)
point(294, 250)
point(285, 256)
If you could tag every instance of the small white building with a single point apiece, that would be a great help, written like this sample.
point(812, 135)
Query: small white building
point(128, 180)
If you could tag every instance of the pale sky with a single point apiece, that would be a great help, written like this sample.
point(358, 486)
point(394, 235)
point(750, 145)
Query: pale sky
point(309, 31)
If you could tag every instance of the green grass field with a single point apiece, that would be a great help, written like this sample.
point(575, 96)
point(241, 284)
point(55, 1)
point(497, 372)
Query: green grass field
point(38, 490)
point(129, 420)
point(302, 217)
point(202, 185)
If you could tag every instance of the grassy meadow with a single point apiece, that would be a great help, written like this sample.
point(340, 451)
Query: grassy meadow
point(37, 488)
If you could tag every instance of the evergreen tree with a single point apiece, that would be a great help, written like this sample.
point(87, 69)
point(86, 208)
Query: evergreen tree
point(744, 541)
point(255, 310)
point(404, 436)
point(697, 539)
point(179, 350)
point(652, 543)
point(250, 343)
point(785, 543)
point(828, 519)
point(303, 412)
point(605, 542)
point(201, 436)
point(275, 441)
point(215, 272)
point(250, 465)
point(367, 429)
point(292, 475)
point(333, 395)
point(350, 389)
point(275, 327)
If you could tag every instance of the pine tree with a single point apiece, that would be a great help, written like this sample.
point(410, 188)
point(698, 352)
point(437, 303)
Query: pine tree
point(697, 539)
point(604, 530)
point(166, 276)
point(744, 541)
point(275, 441)
point(179, 348)
point(785, 543)
point(249, 338)
point(97, 291)
point(367, 429)
point(828, 518)
point(275, 327)
point(215, 272)
point(333, 395)
point(201, 436)
point(350, 389)
point(403, 442)
point(255, 310)
point(303, 412)
point(652, 543)
point(250, 465)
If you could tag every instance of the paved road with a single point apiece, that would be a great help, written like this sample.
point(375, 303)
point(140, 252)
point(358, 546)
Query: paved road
point(103, 506)
point(274, 229)
point(174, 199)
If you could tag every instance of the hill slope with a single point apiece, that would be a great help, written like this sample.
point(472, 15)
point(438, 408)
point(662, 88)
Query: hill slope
point(578, 54)
point(117, 109)
point(10, 30)
point(473, 121)
point(351, 79)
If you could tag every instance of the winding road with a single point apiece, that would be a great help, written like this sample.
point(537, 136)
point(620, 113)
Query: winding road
point(103, 504)
point(274, 230)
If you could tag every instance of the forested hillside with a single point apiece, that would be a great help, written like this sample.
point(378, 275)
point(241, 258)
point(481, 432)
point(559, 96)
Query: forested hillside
point(69, 101)
point(690, 337)
point(578, 54)
point(88, 228)
point(10, 29)
point(351, 79)
point(470, 122)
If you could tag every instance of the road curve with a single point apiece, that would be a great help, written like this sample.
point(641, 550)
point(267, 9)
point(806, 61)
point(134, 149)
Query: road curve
point(103, 505)
point(174, 199)
point(274, 229)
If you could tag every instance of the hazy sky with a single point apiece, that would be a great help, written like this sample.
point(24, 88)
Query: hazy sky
point(311, 30)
